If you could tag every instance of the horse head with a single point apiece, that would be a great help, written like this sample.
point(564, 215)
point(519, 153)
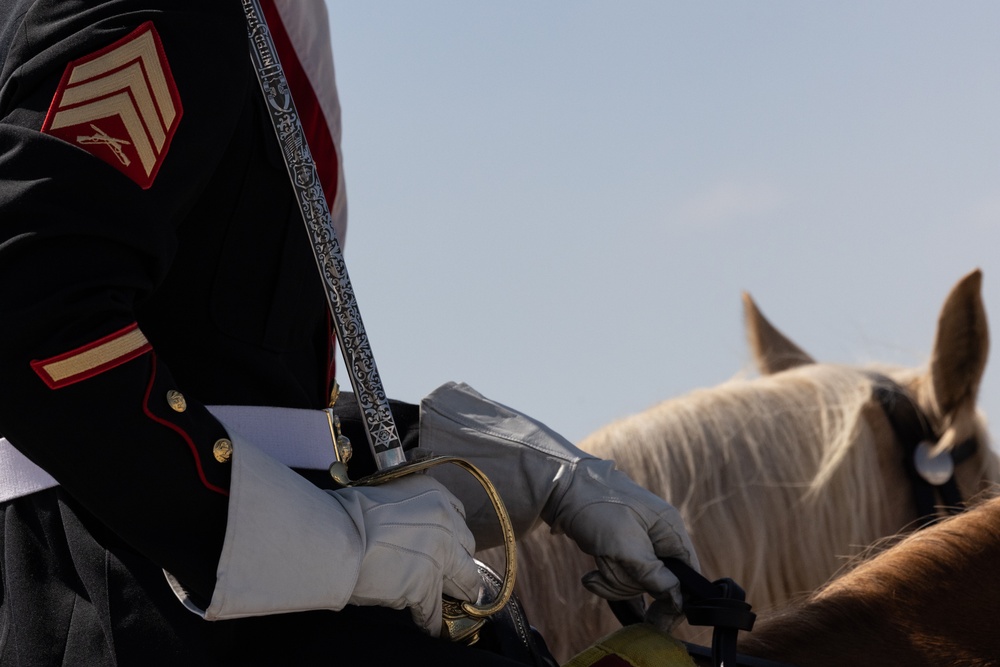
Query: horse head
point(944, 394)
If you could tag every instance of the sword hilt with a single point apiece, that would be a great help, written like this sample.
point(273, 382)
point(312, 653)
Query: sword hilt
point(463, 620)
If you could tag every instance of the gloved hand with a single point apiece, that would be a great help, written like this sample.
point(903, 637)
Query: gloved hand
point(416, 547)
point(541, 476)
point(627, 529)
point(291, 546)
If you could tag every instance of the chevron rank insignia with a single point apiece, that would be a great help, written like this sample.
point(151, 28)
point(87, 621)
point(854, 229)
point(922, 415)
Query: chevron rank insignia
point(120, 104)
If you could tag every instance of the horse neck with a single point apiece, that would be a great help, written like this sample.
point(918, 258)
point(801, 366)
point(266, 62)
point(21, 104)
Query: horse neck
point(930, 600)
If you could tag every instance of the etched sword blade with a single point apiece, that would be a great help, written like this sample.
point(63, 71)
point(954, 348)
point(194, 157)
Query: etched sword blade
point(383, 437)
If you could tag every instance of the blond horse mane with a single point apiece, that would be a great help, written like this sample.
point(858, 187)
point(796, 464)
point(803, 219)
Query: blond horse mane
point(785, 466)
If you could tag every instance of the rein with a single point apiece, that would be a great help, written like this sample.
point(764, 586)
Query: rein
point(932, 478)
point(720, 604)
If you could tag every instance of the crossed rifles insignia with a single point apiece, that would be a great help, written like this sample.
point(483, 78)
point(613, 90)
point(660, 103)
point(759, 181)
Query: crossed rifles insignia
point(120, 104)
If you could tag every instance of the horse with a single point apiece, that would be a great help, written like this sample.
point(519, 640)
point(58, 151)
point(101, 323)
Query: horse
point(931, 599)
point(783, 477)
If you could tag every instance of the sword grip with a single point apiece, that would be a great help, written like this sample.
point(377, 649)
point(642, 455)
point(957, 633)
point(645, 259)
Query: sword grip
point(462, 620)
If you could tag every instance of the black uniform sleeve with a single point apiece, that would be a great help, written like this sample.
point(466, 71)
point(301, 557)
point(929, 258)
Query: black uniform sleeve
point(86, 239)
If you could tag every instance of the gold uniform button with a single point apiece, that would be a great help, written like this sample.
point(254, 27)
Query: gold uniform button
point(222, 450)
point(176, 400)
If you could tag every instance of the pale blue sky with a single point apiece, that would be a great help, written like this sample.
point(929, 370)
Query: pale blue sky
point(560, 202)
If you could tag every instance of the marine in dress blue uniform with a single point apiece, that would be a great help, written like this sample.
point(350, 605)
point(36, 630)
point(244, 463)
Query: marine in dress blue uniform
point(151, 262)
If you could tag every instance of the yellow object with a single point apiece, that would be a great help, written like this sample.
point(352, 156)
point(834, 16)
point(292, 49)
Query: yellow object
point(639, 645)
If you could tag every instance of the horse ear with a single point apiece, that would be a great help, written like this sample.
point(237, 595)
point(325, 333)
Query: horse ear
point(772, 351)
point(961, 346)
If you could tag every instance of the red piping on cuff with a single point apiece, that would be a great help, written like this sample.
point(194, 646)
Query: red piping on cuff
point(177, 429)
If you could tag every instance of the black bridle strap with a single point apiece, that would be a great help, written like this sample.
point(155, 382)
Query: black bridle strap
point(951, 498)
point(742, 660)
point(720, 604)
point(912, 427)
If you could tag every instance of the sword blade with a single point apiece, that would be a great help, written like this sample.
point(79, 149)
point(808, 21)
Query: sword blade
point(380, 427)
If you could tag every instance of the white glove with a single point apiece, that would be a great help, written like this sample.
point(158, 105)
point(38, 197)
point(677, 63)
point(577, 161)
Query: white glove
point(541, 475)
point(627, 529)
point(416, 547)
point(291, 546)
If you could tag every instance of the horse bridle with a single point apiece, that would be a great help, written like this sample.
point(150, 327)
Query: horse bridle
point(932, 478)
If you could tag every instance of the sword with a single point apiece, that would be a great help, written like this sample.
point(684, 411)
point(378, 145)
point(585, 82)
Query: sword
point(462, 620)
point(380, 427)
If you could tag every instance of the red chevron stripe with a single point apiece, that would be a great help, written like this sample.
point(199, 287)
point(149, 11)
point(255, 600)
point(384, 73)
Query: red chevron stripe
point(120, 104)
